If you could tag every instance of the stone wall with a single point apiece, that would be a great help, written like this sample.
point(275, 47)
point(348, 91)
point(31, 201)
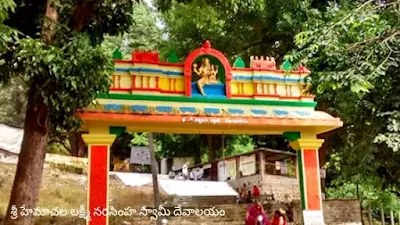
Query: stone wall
point(238, 183)
point(336, 211)
point(283, 188)
point(342, 211)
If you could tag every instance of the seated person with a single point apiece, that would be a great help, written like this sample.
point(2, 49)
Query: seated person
point(248, 196)
point(243, 194)
point(253, 212)
point(279, 217)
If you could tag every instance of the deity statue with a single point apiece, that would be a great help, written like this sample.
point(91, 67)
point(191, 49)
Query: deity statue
point(207, 73)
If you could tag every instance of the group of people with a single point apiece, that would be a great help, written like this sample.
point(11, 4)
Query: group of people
point(247, 193)
point(256, 215)
point(187, 174)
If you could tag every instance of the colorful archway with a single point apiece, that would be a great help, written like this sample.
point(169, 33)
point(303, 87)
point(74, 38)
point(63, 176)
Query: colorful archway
point(152, 96)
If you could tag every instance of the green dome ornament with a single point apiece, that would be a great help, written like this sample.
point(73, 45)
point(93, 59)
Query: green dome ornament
point(173, 57)
point(286, 66)
point(117, 54)
point(239, 63)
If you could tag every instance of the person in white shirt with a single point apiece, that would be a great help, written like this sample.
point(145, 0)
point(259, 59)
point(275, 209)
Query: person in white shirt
point(196, 174)
point(185, 171)
point(191, 175)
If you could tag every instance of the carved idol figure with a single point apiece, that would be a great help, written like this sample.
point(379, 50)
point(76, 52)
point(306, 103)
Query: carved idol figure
point(207, 74)
point(213, 76)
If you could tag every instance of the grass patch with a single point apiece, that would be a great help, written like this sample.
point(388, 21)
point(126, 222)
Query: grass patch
point(67, 168)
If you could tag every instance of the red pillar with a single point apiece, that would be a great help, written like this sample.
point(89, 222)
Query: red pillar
point(308, 173)
point(98, 175)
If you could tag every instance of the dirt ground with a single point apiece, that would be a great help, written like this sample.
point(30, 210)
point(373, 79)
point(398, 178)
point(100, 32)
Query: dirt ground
point(68, 191)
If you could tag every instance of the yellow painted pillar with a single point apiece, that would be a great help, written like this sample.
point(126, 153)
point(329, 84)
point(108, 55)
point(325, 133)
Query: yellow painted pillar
point(98, 175)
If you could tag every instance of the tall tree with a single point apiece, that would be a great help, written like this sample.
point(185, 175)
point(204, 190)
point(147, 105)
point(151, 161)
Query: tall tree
point(142, 35)
point(353, 51)
point(59, 58)
point(239, 27)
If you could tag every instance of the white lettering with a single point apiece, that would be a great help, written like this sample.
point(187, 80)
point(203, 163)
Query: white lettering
point(201, 120)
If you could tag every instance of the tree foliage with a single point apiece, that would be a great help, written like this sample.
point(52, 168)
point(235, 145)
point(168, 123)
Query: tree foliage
point(369, 195)
point(65, 76)
point(353, 50)
point(68, 72)
point(13, 103)
point(57, 55)
point(142, 35)
point(7, 33)
point(239, 28)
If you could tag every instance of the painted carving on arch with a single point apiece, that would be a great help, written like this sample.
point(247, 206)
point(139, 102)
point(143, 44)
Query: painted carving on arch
point(207, 74)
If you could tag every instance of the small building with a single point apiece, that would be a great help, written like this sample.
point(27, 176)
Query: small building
point(174, 163)
point(273, 171)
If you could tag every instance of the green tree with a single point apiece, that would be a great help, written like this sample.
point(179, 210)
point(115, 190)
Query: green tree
point(353, 51)
point(8, 34)
point(13, 103)
point(59, 58)
point(238, 28)
point(142, 35)
point(197, 146)
point(368, 195)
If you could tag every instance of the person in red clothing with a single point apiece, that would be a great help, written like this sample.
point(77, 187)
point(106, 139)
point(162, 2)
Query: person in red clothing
point(279, 217)
point(256, 191)
point(255, 211)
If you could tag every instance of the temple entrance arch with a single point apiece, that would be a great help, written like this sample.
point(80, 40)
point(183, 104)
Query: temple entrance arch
point(152, 96)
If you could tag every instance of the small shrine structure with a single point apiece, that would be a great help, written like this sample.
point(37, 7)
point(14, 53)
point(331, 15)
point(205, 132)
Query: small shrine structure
point(205, 95)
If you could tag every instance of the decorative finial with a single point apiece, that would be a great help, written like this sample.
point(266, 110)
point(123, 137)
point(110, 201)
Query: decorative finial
point(207, 44)
point(173, 57)
point(117, 54)
point(286, 66)
point(239, 63)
